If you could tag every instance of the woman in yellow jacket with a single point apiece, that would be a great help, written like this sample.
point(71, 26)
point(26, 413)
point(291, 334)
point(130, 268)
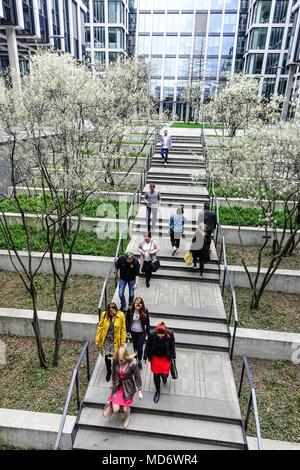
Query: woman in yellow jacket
point(111, 334)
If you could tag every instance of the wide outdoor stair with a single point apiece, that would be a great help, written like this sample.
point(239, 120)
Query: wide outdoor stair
point(178, 161)
point(175, 421)
point(166, 178)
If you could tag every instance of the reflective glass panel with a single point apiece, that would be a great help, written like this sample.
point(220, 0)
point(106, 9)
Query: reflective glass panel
point(185, 44)
point(229, 23)
point(254, 63)
point(261, 11)
point(116, 38)
point(211, 67)
point(215, 22)
point(144, 45)
point(281, 7)
point(159, 24)
point(276, 38)
point(172, 23)
point(183, 66)
point(272, 63)
point(99, 36)
point(156, 66)
point(216, 4)
point(199, 45)
point(258, 38)
point(225, 68)
point(170, 67)
point(231, 4)
point(171, 44)
point(268, 87)
point(186, 23)
point(157, 44)
point(227, 45)
point(99, 61)
point(145, 23)
point(98, 7)
point(213, 45)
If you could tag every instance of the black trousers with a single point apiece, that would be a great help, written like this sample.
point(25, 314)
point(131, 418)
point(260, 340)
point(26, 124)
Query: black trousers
point(108, 363)
point(175, 238)
point(147, 269)
point(157, 380)
point(208, 234)
point(201, 262)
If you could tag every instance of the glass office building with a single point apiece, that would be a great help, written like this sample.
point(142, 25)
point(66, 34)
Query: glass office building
point(106, 31)
point(187, 41)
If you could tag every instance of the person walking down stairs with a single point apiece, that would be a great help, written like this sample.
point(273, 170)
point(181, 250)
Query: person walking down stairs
point(111, 334)
point(160, 350)
point(166, 145)
point(125, 379)
point(148, 249)
point(176, 224)
point(209, 219)
point(138, 326)
point(200, 248)
point(129, 268)
point(153, 200)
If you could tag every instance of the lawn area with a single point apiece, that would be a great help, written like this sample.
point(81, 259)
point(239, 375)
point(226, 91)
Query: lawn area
point(276, 312)
point(250, 254)
point(277, 385)
point(82, 294)
point(184, 125)
point(249, 216)
point(87, 243)
point(25, 385)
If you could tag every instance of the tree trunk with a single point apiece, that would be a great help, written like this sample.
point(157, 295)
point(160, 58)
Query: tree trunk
point(36, 328)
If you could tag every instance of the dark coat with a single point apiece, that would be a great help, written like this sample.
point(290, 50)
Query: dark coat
point(131, 381)
point(151, 345)
point(202, 252)
point(208, 218)
point(145, 323)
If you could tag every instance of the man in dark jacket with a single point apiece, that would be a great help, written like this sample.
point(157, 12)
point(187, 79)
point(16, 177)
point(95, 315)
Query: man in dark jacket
point(129, 267)
point(208, 218)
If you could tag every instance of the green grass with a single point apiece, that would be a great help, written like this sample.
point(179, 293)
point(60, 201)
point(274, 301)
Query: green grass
point(92, 208)
point(247, 217)
point(184, 125)
point(87, 243)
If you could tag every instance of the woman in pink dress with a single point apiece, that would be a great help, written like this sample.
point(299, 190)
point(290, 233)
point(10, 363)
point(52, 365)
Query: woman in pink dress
point(126, 380)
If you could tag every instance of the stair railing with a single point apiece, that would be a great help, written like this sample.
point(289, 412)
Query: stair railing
point(251, 402)
point(74, 381)
point(126, 226)
point(226, 276)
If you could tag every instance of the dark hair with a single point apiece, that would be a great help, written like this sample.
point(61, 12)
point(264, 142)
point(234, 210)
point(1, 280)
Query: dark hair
point(206, 205)
point(152, 185)
point(180, 210)
point(161, 329)
point(143, 309)
point(148, 235)
point(109, 306)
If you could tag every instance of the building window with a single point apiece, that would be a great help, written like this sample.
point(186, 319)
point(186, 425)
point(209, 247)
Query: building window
point(227, 45)
point(185, 44)
point(99, 36)
point(168, 88)
point(213, 45)
point(156, 63)
point(87, 14)
point(172, 23)
point(144, 45)
point(186, 23)
point(199, 45)
point(158, 45)
point(276, 38)
point(281, 7)
point(284, 68)
point(254, 63)
point(229, 23)
point(170, 67)
point(99, 16)
point(268, 87)
point(272, 63)
point(231, 4)
point(258, 38)
point(225, 68)
point(87, 39)
point(211, 67)
point(116, 38)
point(282, 86)
point(115, 57)
point(288, 38)
point(171, 44)
point(115, 12)
point(261, 11)
point(215, 22)
point(145, 23)
point(183, 67)
point(216, 4)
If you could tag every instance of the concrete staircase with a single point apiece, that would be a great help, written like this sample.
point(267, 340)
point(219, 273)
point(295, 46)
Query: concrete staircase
point(200, 410)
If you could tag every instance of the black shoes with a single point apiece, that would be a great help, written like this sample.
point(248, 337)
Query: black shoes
point(147, 284)
point(164, 379)
point(108, 375)
point(156, 397)
point(140, 366)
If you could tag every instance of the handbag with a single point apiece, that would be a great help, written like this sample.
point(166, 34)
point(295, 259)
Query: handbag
point(155, 264)
point(174, 372)
point(108, 410)
point(188, 258)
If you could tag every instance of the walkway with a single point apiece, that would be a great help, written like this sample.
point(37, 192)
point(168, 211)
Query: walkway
point(200, 410)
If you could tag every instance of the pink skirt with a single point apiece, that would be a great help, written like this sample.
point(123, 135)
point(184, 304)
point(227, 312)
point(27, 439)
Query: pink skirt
point(118, 399)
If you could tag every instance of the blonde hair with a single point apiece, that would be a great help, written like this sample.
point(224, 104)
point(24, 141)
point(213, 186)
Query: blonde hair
point(202, 228)
point(123, 353)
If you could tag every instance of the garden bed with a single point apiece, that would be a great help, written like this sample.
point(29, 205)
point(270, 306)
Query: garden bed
point(26, 386)
point(82, 294)
point(87, 243)
point(277, 385)
point(276, 312)
point(248, 217)
point(250, 253)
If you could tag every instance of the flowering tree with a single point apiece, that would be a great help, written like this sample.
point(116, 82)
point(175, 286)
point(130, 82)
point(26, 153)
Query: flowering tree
point(63, 128)
point(238, 105)
point(264, 165)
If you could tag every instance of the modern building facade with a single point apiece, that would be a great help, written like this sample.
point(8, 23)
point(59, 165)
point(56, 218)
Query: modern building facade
point(107, 36)
point(27, 24)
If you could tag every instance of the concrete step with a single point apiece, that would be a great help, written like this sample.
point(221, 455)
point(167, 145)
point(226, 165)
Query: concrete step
point(89, 439)
point(162, 180)
point(193, 327)
point(185, 429)
point(193, 275)
point(166, 257)
point(207, 314)
point(192, 198)
point(173, 405)
point(170, 164)
point(181, 266)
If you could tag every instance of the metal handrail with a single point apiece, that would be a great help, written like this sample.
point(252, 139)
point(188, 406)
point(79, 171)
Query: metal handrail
point(74, 380)
point(233, 306)
point(126, 225)
point(252, 401)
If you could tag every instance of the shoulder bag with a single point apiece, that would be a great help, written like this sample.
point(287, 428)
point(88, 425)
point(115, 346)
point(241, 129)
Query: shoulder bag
point(174, 373)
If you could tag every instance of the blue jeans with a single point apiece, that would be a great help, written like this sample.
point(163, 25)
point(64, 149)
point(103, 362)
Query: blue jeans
point(122, 285)
point(138, 343)
point(166, 152)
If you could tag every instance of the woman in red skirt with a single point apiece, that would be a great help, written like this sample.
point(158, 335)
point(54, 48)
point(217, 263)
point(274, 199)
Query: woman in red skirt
point(160, 349)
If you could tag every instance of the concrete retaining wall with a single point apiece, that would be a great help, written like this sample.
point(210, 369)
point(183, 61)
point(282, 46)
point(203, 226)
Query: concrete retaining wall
point(99, 195)
point(96, 266)
point(261, 344)
point(251, 236)
point(284, 280)
point(118, 176)
point(33, 430)
point(245, 203)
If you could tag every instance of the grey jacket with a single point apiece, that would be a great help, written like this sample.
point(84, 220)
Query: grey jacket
point(169, 141)
point(131, 382)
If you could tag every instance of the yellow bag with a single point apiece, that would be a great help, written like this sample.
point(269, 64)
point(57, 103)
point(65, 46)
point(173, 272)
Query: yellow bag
point(188, 258)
